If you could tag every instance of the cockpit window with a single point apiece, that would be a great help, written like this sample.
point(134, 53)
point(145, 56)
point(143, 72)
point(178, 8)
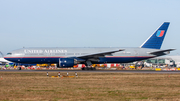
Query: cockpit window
point(9, 53)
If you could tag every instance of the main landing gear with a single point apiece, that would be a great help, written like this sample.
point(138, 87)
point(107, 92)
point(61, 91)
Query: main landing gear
point(19, 68)
point(88, 66)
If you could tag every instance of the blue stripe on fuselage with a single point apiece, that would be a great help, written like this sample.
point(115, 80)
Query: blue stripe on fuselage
point(39, 60)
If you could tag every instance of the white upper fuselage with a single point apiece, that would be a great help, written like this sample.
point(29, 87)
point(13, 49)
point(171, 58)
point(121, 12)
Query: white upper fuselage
point(73, 52)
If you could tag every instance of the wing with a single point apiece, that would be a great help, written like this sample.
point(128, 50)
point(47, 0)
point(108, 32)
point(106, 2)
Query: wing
point(97, 55)
point(162, 52)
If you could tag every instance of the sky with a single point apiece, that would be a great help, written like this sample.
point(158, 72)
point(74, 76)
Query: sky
point(86, 23)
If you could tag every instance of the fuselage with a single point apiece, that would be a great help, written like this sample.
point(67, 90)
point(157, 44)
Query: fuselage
point(52, 55)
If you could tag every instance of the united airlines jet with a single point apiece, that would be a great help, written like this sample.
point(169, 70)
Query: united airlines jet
point(68, 57)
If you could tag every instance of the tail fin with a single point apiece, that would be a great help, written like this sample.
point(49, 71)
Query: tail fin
point(156, 39)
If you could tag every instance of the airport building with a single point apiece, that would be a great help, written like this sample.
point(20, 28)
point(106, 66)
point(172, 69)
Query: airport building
point(160, 62)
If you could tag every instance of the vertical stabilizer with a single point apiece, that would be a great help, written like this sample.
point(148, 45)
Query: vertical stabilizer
point(156, 39)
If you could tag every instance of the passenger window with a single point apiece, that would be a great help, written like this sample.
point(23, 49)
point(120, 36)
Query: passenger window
point(84, 53)
point(59, 53)
point(77, 53)
point(70, 53)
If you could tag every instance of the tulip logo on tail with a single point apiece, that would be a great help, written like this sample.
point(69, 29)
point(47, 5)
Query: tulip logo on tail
point(160, 33)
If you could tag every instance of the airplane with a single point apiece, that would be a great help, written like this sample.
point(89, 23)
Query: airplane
point(70, 56)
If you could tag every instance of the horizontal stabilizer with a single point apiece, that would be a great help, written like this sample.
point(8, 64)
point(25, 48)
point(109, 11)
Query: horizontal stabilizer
point(162, 52)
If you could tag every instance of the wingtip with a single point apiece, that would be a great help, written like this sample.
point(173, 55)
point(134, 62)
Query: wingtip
point(121, 49)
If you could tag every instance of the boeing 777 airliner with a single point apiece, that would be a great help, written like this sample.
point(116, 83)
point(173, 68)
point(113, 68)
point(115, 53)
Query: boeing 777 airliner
point(68, 57)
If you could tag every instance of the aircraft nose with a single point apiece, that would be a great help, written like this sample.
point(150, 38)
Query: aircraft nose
point(5, 57)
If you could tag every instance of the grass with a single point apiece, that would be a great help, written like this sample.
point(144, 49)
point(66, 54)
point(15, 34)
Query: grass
point(17, 86)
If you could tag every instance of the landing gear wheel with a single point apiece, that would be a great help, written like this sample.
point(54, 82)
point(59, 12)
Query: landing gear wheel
point(19, 68)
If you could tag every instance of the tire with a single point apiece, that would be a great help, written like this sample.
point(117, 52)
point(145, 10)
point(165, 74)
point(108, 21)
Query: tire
point(19, 68)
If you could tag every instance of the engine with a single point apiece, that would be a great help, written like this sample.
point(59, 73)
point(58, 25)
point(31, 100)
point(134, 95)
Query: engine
point(67, 62)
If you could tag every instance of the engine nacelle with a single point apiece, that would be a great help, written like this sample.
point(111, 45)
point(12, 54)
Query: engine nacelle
point(67, 62)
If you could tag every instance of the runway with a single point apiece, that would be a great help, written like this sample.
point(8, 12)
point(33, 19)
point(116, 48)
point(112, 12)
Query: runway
point(96, 71)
